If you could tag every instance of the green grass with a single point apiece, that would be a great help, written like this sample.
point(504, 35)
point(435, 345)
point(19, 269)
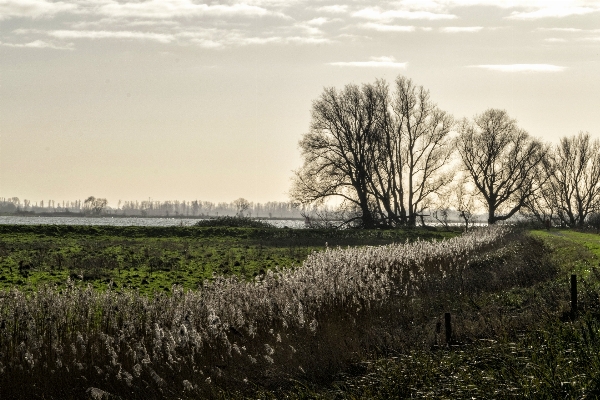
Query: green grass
point(152, 259)
point(576, 252)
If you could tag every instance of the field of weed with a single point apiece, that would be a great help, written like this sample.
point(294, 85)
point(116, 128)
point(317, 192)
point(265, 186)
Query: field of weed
point(525, 346)
point(154, 259)
point(309, 322)
point(309, 332)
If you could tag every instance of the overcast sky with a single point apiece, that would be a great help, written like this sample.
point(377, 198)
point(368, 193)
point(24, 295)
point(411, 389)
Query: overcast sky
point(185, 99)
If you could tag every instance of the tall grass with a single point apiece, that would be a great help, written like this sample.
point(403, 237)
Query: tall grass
point(307, 322)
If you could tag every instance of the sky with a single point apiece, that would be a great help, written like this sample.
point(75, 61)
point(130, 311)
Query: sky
point(197, 99)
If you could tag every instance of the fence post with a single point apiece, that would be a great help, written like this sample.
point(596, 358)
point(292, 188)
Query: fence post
point(448, 325)
point(573, 296)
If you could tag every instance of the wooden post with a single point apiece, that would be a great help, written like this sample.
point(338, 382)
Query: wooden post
point(448, 325)
point(573, 296)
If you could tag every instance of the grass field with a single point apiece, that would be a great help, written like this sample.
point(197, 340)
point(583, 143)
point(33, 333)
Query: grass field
point(154, 259)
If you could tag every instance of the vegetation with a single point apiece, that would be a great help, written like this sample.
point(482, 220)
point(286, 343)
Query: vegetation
point(308, 331)
point(388, 154)
point(240, 222)
point(382, 154)
point(500, 160)
point(288, 323)
point(153, 259)
point(570, 183)
point(94, 206)
point(154, 208)
point(519, 342)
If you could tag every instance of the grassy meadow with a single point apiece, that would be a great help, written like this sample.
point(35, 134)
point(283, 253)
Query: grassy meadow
point(153, 259)
point(266, 313)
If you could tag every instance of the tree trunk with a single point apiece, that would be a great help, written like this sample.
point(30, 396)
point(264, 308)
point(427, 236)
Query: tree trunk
point(367, 219)
point(412, 219)
point(463, 215)
point(491, 215)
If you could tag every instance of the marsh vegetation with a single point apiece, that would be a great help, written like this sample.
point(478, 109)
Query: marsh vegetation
point(334, 322)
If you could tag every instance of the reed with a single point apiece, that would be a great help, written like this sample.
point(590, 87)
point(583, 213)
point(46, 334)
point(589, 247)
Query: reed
point(311, 321)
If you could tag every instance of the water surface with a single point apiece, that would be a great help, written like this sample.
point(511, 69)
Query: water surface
point(123, 221)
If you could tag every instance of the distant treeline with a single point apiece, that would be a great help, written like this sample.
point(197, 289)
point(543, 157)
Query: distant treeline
point(156, 208)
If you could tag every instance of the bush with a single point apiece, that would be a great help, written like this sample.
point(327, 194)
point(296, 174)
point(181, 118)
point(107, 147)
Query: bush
point(236, 222)
point(593, 221)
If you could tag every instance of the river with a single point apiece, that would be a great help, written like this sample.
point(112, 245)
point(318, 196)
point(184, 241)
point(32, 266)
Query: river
point(125, 221)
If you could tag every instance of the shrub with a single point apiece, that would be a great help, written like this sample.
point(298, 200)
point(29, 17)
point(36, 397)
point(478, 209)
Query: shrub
point(593, 221)
point(237, 221)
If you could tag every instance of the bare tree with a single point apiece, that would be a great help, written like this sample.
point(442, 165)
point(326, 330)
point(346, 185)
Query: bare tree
point(442, 208)
point(574, 185)
point(542, 205)
point(241, 205)
point(338, 150)
point(501, 160)
point(383, 155)
point(93, 205)
point(422, 147)
point(465, 202)
point(456, 197)
point(442, 216)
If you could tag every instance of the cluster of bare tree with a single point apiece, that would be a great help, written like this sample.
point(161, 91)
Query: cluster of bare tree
point(93, 205)
point(568, 182)
point(169, 208)
point(14, 204)
point(199, 208)
point(391, 155)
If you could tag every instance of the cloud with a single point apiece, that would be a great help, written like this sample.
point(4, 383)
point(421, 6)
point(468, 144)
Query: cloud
point(389, 15)
point(209, 38)
point(555, 40)
point(103, 22)
point(334, 9)
point(442, 9)
point(309, 29)
point(377, 62)
point(305, 40)
point(82, 34)
point(445, 5)
point(461, 29)
point(560, 29)
point(206, 43)
point(521, 67)
point(215, 38)
point(38, 44)
point(552, 12)
point(374, 26)
point(581, 35)
point(317, 21)
point(179, 8)
point(33, 8)
point(239, 40)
